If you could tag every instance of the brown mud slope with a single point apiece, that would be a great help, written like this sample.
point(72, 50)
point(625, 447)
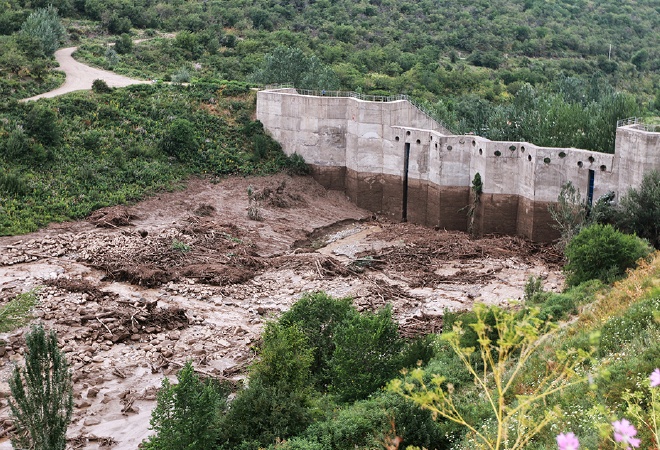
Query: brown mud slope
point(134, 292)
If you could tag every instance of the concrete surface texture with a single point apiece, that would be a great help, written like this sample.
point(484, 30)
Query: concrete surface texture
point(391, 158)
point(80, 77)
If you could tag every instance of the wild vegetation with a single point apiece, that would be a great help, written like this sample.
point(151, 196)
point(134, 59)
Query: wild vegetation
point(63, 158)
point(492, 379)
point(553, 73)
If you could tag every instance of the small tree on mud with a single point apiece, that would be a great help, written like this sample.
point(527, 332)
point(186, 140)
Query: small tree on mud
point(42, 394)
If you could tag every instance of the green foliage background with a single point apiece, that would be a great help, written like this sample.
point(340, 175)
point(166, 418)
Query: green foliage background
point(62, 158)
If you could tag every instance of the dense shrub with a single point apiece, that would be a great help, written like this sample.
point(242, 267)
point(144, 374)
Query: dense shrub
point(319, 316)
point(179, 140)
point(101, 87)
point(41, 123)
point(13, 184)
point(291, 65)
point(186, 415)
point(601, 252)
point(296, 165)
point(124, 44)
point(277, 402)
point(640, 209)
point(367, 354)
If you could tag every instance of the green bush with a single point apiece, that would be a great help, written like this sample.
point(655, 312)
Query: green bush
point(319, 316)
point(641, 209)
point(367, 354)
point(13, 184)
point(41, 123)
point(101, 87)
point(601, 252)
point(124, 44)
point(179, 140)
point(277, 401)
point(186, 415)
point(296, 165)
point(366, 423)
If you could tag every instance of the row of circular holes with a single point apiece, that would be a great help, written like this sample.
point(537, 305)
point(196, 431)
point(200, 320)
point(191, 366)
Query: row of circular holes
point(546, 159)
point(513, 148)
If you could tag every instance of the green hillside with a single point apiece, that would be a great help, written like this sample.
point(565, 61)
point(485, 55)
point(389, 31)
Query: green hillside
point(497, 68)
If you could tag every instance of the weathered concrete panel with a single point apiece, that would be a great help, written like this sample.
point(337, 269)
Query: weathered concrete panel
point(359, 147)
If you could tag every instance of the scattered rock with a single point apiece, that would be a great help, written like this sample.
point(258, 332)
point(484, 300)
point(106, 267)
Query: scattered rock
point(91, 421)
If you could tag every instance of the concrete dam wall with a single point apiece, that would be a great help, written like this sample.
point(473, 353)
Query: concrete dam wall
point(393, 159)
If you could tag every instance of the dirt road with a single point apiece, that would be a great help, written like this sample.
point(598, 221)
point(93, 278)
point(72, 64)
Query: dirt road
point(79, 77)
point(134, 292)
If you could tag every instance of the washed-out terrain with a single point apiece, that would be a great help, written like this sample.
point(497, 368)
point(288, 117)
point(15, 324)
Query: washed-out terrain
point(133, 292)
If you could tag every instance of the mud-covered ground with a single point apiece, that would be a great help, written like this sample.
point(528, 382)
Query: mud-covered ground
point(134, 292)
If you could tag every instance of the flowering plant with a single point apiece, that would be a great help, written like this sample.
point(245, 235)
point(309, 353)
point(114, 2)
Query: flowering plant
point(623, 432)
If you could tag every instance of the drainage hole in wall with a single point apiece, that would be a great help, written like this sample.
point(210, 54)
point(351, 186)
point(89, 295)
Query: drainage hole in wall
point(418, 141)
point(591, 159)
point(522, 149)
point(407, 133)
point(474, 143)
point(449, 147)
point(603, 167)
point(529, 157)
point(580, 164)
point(396, 138)
point(498, 153)
point(481, 152)
point(436, 145)
point(546, 160)
point(512, 148)
point(562, 154)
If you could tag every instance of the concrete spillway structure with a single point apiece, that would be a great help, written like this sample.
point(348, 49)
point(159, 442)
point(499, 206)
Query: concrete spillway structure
point(393, 159)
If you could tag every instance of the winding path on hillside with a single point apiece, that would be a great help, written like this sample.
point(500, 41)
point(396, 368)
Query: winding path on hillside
point(79, 76)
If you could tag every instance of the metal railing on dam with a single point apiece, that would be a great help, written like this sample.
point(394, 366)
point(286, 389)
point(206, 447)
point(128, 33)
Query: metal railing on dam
point(638, 124)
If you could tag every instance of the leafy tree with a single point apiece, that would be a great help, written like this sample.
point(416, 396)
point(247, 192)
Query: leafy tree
point(44, 28)
point(291, 65)
point(640, 58)
point(601, 252)
point(42, 399)
point(640, 209)
point(367, 354)
point(187, 413)
point(319, 316)
point(118, 25)
point(277, 402)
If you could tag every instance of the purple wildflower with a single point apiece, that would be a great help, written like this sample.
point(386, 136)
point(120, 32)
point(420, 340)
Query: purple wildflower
point(568, 441)
point(624, 432)
point(655, 378)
